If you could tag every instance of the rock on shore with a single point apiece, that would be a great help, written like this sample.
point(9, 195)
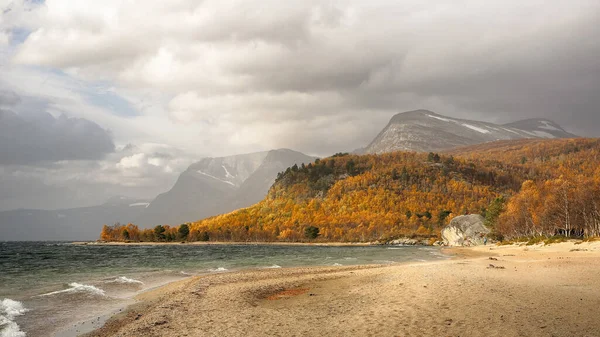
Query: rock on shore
point(465, 230)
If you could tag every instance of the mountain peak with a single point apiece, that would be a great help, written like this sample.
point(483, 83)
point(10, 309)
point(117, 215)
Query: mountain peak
point(425, 131)
point(412, 114)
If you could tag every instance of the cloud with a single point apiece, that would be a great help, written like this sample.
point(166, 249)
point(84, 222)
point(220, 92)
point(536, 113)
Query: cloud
point(4, 38)
point(230, 65)
point(220, 77)
point(8, 99)
point(140, 172)
point(38, 138)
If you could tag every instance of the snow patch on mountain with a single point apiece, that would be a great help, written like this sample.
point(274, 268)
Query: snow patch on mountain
point(227, 174)
point(543, 134)
point(440, 118)
point(216, 178)
point(546, 125)
point(137, 204)
point(509, 130)
point(473, 127)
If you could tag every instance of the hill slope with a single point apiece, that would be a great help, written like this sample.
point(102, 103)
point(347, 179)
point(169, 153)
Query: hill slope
point(363, 198)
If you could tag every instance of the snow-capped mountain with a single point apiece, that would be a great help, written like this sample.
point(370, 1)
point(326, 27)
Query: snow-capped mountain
point(425, 131)
point(218, 185)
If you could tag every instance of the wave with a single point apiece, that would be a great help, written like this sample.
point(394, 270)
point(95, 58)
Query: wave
point(337, 264)
point(220, 269)
point(384, 261)
point(78, 288)
point(273, 267)
point(9, 309)
point(125, 280)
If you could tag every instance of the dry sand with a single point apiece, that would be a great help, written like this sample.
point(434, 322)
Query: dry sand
point(484, 291)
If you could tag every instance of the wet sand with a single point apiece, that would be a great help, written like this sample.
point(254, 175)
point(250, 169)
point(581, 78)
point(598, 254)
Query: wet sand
point(483, 291)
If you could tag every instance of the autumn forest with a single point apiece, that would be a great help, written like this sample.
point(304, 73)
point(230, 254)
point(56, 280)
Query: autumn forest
point(524, 188)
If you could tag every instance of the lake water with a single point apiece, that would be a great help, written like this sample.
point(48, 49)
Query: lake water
point(47, 287)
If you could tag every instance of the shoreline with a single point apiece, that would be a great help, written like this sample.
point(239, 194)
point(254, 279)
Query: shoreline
point(219, 243)
point(480, 291)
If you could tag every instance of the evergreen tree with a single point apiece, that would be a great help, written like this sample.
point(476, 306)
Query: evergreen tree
point(159, 233)
point(311, 232)
point(184, 231)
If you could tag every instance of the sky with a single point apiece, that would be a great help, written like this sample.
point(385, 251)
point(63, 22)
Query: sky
point(105, 98)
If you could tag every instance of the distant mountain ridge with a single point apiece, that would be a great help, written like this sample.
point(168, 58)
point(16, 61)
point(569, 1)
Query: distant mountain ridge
point(426, 131)
point(208, 187)
point(219, 185)
point(67, 224)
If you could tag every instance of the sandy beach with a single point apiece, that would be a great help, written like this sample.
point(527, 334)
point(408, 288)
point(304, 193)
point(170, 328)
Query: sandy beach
point(483, 291)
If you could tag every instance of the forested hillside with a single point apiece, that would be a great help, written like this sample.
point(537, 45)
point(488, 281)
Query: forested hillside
point(561, 192)
point(524, 188)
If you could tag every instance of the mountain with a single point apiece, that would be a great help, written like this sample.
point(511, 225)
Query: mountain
point(208, 187)
point(219, 185)
point(426, 131)
point(67, 224)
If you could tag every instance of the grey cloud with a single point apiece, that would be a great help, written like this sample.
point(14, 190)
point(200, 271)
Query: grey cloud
point(8, 98)
point(80, 183)
point(38, 138)
point(546, 67)
point(344, 62)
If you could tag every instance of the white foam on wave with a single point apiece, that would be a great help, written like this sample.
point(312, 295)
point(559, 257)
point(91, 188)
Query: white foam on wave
point(438, 254)
point(384, 261)
point(9, 309)
point(273, 267)
point(125, 280)
point(337, 264)
point(220, 269)
point(78, 288)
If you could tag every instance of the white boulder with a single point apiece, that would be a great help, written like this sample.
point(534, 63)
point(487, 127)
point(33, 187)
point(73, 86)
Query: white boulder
point(465, 230)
